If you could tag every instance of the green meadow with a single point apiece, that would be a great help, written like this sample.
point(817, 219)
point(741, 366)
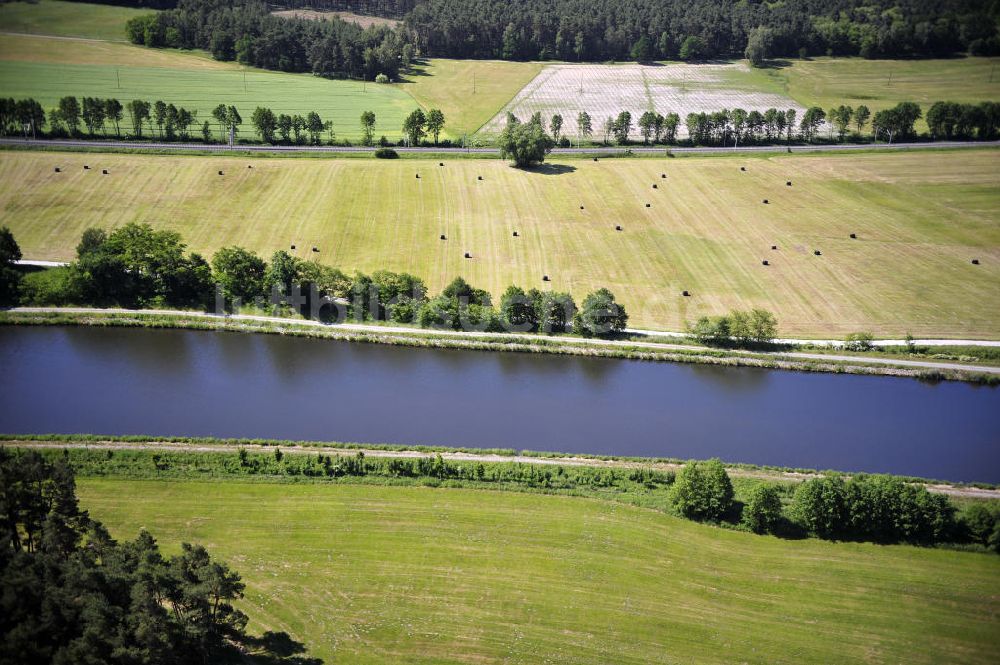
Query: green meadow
point(374, 574)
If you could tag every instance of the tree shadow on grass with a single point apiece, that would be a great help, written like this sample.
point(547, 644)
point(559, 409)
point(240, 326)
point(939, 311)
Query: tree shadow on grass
point(277, 648)
point(550, 169)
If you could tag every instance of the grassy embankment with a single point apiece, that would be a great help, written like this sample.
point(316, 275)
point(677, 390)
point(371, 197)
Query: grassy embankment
point(419, 575)
point(919, 218)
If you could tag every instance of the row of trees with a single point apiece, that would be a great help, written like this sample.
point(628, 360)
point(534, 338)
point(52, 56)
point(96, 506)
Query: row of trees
point(70, 593)
point(138, 266)
point(589, 30)
point(285, 128)
point(743, 328)
point(246, 31)
point(875, 508)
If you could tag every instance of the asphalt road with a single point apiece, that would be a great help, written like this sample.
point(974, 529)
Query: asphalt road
point(609, 150)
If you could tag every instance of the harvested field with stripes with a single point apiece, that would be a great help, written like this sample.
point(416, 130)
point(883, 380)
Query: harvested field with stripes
point(605, 90)
point(919, 220)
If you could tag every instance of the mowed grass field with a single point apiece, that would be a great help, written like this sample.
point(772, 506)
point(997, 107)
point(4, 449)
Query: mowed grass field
point(368, 574)
point(469, 92)
point(48, 68)
point(920, 219)
point(68, 19)
point(878, 84)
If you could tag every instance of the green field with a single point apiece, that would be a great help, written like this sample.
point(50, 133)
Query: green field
point(369, 574)
point(829, 82)
point(67, 19)
point(920, 218)
point(469, 92)
point(49, 68)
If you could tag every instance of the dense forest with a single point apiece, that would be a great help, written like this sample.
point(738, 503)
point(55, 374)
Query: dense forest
point(571, 30)
point(246, 31)
point(598, 30)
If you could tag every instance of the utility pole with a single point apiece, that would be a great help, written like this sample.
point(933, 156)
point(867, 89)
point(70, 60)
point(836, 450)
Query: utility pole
point(889, 84)
point(244, 81)
point(118, 80)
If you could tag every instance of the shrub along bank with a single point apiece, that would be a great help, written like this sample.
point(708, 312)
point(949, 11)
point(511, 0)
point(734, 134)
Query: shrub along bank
point(877, 508)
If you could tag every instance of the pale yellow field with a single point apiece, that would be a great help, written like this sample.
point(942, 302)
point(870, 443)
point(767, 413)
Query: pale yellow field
point(920, 218)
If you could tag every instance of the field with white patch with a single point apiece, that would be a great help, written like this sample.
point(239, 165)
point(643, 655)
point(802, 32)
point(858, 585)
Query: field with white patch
point(605, 90)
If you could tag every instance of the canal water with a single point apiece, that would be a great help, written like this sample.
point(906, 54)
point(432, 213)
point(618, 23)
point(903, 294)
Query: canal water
point(193, 383)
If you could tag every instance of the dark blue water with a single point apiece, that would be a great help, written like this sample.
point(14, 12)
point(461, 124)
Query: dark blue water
point(187, 383)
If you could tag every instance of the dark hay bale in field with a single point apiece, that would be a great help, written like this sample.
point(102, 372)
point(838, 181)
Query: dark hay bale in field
point(479, 177)
point(468, 255)
point(581, 207)
point(765, 201)
point(515, 234)
point(440, 163)
point(817, 252)
point(788, 183)
point(663, 175)
point(647, 205)
point(854, 235)
point(104, 171)
point(443, 237)
point(545, 278)
point(685, 294)
point(315, 249)
point(293, 246)
point(654, 185)
point(58, 170)
point(221, 173)
point(249, 166)
point(418, 176)
point(743, 168)
point(618, 227)
point(764, 262)
point(595, 159)
point(975, 262)
point(774, 247)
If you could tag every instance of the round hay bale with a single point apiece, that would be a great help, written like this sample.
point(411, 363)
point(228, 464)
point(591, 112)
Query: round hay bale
point(468, 255)
point(788, 183)
point(440, 163)
point(104, 171)
point(581, 207)
point(743, 168)
point(58, 170)
point(443, 237)
point(221, 173)
point(663, 175)
point(654, 185)
point(975, 262)
point(764, 262)
point(647, 205)
point(854, 235)
point(515, 234)
point(249, 166)
point(766, 201)
point(618, 227)
point(774, 247)
point(545, 278)
point(817, 252)
point(315, 249)
point(685, 294)
point(86, 167)
point(479, 177)
point(595, 159)
point(293, 246)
